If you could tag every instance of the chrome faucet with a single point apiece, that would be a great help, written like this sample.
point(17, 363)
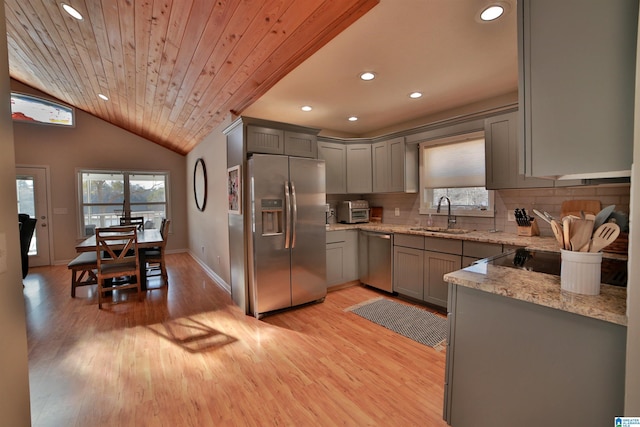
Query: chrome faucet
point(450, 220)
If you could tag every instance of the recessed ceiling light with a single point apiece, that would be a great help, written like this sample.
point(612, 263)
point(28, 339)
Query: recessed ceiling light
point(415, 95)
point(103, 97)
point(353, 119)
point(368, 75)
point(492, 12)
point(306, 108)
point(71, 11)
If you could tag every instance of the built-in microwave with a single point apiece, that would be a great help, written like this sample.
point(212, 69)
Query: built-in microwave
point(353, 211)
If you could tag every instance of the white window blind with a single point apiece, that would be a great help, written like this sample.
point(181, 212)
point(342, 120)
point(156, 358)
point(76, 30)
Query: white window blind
point(459, 164)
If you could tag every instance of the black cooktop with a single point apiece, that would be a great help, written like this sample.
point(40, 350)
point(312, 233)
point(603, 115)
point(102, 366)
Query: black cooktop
point(614, 271)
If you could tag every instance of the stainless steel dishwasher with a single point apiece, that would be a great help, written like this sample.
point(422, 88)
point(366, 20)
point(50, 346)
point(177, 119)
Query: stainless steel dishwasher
point(375, 259)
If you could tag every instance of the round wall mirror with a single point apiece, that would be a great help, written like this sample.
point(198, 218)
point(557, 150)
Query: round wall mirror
point(200, 184)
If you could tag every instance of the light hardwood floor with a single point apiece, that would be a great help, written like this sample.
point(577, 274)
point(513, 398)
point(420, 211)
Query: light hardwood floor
point(186, 356)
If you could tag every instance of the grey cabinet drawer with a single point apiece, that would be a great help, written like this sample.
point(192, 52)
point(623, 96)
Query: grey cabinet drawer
point(480, 249)
point(409, 241)
point(336, 236)
point(448, 246)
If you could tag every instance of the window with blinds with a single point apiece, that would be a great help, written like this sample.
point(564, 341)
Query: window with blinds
point(455, 167)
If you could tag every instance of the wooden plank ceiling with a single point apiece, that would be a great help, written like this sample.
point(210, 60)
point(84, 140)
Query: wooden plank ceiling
point(172, 69)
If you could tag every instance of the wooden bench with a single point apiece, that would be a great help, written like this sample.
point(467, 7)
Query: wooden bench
point(83, 271)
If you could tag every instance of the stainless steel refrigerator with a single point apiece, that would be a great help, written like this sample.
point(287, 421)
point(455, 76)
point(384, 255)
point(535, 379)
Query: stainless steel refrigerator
point(287, 243)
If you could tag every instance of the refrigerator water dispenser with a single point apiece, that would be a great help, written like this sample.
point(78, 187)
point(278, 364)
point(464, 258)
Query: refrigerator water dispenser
point(271, 217)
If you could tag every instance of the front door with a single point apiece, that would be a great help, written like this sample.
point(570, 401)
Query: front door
point(33, 199)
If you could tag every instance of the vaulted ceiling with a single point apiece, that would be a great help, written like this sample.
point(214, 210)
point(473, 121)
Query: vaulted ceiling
point(172, 69)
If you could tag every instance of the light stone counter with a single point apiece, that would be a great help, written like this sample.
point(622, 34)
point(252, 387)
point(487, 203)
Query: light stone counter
point(543, 289)
point(536, 288)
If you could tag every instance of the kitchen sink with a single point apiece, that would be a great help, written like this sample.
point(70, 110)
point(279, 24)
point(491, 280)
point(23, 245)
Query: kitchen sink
point(441, 230)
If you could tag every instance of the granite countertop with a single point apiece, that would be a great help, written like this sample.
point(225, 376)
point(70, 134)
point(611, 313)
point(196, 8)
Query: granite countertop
point(543, 289)
point(537, 288)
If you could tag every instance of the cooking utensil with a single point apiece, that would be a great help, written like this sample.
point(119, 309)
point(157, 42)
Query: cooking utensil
point(581, 231)
point(602, 216)
point(557, 231)
point(566, 232)
point(542, 216)
point(548, 215)
point(604, 236)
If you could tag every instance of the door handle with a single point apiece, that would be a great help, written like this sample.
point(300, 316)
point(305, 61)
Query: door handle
point(287, 214)
point(294, 219)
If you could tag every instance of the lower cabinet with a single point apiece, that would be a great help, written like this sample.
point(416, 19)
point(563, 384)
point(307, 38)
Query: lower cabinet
point(342, 256)
point(408, 272)
point(436, 265)
point(421, 262)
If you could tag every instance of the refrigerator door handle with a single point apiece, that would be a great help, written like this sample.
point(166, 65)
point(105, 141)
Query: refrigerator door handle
point(294, 219)
point(287, 215)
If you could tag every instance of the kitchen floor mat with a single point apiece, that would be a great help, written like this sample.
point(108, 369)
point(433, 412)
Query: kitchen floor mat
point(407, 320)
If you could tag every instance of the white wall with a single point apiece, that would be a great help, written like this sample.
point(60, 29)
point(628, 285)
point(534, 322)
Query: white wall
point(94, 143)
point(14, 374)
point(632, 376)
point(208, 230)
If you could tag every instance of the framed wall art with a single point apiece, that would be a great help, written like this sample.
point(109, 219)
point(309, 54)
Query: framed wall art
point(234, 186)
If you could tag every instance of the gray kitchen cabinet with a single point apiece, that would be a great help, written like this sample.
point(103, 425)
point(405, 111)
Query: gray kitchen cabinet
point(503, 157)
point(268, 140)
point(380, 167)
point(421, 262)
point(534, 366)
point(473, 251)
point(436, 265)
point(408, 261)
point(335, 157)
point(359, 176)
point(300, 144)
point(395, 166)
point(342, 256)
point(576, 80)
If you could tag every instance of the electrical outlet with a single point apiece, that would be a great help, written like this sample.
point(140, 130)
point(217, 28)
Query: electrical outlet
point(511, 216)
point(397, 212)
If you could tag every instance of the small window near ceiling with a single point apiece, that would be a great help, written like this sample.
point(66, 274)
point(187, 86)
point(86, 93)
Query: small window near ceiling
point(454, 168)
point(31, 109)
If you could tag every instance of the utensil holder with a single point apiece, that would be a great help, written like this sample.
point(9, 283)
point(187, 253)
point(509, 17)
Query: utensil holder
point(533, 230)
point(580, 272)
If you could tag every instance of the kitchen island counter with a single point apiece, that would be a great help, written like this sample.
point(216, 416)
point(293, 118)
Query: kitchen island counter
point(543, 289)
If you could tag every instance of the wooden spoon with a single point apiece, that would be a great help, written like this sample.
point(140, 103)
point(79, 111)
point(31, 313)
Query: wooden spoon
point(557, 231)
point(581, 234)
point(604, 236)
point(566, 230)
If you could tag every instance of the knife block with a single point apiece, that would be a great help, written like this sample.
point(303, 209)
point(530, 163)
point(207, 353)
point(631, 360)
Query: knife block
point(533, 230)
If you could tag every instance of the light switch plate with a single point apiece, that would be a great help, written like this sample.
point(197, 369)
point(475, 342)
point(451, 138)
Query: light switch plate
point(397, 212)
point(511, 216)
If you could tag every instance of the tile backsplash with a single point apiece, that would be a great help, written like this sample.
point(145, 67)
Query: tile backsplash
point(543, 199)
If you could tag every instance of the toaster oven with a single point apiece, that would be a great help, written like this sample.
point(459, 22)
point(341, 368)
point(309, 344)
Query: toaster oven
point(353, 211)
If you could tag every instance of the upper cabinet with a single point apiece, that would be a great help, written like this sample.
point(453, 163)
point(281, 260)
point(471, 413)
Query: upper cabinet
point(267, 140)
point(576, 86)
point(366, 167)
point(395, 166)
point(359, 178)
point(335, 157)
point(502, 155)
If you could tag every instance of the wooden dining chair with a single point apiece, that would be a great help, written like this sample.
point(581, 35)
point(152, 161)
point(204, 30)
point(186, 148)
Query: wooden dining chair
point(117, 260)
point(154, 257)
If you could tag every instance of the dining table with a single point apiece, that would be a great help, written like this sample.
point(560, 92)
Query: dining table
point(147, 238)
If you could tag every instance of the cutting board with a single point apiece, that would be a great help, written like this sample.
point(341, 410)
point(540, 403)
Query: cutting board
point(573, 207)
